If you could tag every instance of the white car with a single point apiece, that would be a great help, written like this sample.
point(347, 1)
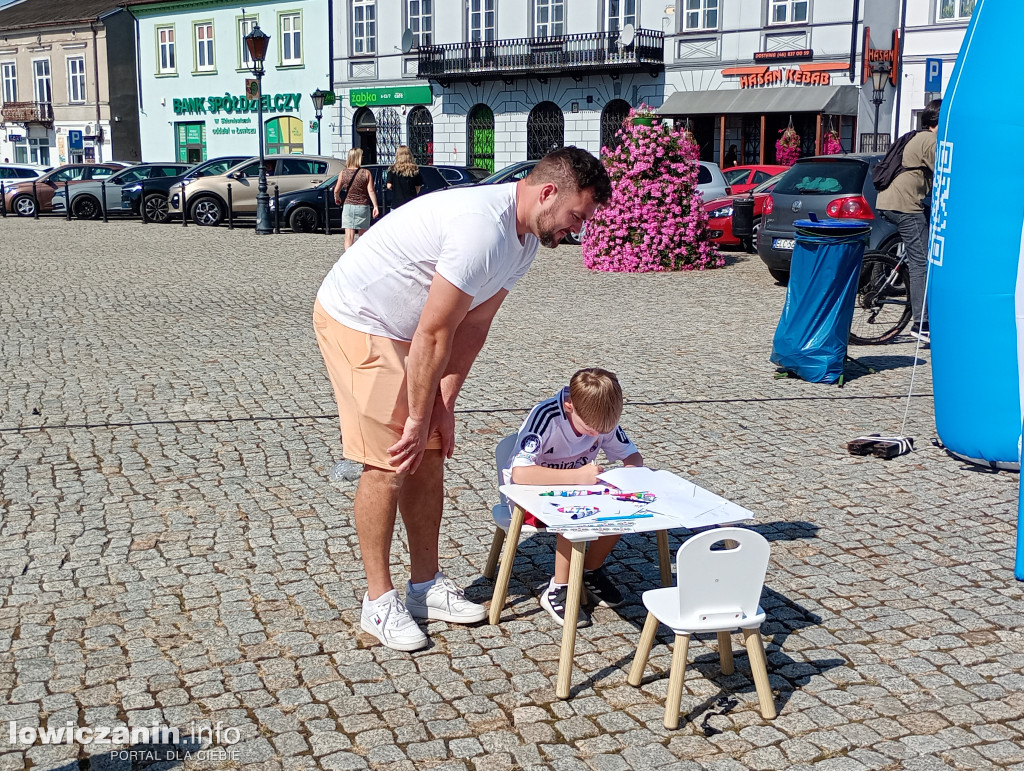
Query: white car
point(711, 182)
point(86, 196)
point(22, 172)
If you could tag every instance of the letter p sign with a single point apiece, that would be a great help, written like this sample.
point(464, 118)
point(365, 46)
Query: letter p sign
point(933, 75)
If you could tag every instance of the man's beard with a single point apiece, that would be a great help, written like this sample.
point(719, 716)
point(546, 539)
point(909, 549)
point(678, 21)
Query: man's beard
point(547, 235)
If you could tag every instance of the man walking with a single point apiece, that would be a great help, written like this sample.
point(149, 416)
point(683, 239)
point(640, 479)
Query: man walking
point(905, 203)
point(399, 321)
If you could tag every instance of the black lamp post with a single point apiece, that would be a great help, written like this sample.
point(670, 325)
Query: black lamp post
point(879, 74)
point(318, 97)
point(257, 42)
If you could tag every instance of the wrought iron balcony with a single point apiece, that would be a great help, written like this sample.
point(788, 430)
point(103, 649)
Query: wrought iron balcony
point(27, 112)
point(541, 57)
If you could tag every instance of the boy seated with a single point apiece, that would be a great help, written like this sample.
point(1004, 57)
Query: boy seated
point(558, 445)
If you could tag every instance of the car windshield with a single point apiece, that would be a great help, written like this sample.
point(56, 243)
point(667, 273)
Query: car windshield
point(508, 174)
point(769, 184)
point(734, 176)
point(329, 183)
point(823, 177)
point(477, 174)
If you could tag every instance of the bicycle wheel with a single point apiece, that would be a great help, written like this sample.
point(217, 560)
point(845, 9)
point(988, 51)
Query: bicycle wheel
point(883, 300)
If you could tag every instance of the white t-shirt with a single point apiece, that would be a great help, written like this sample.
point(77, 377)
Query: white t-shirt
point(548, 439)
point(466, 234)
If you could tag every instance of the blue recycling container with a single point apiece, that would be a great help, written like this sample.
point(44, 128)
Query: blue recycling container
point(814, 330)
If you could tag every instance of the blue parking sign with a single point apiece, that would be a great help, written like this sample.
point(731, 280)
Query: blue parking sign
point(75, 140)
point(933, 75)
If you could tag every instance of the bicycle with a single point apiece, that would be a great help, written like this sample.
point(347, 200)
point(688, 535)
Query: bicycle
point(883, 307)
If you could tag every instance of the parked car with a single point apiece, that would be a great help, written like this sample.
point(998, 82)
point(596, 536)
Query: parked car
point(744, 178)
point(513, 173)
point(18, 197)
point(303, 211)
point(207, 197)
point(720, 212)
point(86, 196)
point(21, 171)
point(158, 189)
point(711, 182)
point(462, 175)
point(836, 186)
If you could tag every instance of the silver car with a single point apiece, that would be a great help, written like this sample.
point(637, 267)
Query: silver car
point(711, 182)
point(86, 196)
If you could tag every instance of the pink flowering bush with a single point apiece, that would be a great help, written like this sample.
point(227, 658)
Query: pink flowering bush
point(787, 149)
point(655, 220)
point(832, 144)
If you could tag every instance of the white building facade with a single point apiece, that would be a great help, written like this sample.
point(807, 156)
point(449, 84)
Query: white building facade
point(491, 82)
point(193, 67)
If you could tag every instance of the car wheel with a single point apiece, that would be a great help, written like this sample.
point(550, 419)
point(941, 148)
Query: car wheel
point(303, 219)
point(206, 211)
point(157, 209)
point(782, 276)
point(24, 206)
point(85, 207)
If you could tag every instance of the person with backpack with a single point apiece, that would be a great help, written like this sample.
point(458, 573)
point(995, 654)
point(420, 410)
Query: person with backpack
point(904, 181)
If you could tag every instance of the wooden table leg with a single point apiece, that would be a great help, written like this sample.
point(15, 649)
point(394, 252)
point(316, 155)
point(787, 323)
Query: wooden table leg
point(725, 652)
point(572, 610)
point(507, 558)
point(664, 558)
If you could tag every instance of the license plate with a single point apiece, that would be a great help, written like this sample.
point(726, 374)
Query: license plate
point(783, 243)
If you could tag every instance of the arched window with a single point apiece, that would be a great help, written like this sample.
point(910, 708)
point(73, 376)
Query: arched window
point(480, 137)
point(284, 136)
point(545, 130)
point(611, 121)
point(421, 135)
point(364, 134)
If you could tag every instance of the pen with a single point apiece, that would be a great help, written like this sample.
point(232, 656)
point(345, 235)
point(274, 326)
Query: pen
point(625, 516)
point(573, 493)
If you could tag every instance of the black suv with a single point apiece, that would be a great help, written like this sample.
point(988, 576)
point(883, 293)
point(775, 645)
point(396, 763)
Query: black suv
point(158, 190)
point(830, 186)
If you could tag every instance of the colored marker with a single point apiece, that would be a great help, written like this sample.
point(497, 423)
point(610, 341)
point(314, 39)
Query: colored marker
point(574, 493)
point(625, 516)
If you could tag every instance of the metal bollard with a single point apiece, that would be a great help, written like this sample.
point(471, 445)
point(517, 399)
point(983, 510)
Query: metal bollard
point(67, 201)
point(3, 201)
point(184, 208)
point(277, 210)
point(103, 199)
point(231, 210)
point(142, 204)
point(327, 211)
point(35, 201)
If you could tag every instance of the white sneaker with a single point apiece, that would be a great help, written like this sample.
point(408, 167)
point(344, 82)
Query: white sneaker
point(443, 601)
point(387, 619)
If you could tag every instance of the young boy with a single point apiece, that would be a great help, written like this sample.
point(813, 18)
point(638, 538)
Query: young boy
point(558, 445)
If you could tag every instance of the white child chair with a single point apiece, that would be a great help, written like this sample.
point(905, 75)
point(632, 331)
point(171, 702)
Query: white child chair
point(716, 591)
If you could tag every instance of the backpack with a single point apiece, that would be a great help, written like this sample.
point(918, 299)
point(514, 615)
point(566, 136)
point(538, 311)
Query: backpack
point(891, 166)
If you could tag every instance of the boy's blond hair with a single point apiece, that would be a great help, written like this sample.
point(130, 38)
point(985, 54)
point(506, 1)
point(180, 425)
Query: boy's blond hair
point(596, 398)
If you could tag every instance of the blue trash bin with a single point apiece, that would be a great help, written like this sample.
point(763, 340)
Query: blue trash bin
point(814, 330)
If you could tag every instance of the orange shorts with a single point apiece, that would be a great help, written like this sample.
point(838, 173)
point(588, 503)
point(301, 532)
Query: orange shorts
point(368, 376)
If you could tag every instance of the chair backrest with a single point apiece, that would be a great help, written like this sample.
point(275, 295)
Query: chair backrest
point(502, 456)
point(716, 584)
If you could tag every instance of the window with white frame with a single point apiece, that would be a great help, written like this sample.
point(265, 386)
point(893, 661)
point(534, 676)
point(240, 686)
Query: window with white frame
point(204, 46)
point(9, 78)
point(76, 79)
point(364, 27)
point(700, 14)
point(291, 38)
point(548, 18)
point(421, 21)
point(481, 20)
point(165, 42)
point(245, 25)
point(787, 11)
point(41, 80)
point(955, 10)
point(34, 151)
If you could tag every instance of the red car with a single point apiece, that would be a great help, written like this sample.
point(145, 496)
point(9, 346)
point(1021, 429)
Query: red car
point(745, 178)
point(720, 211)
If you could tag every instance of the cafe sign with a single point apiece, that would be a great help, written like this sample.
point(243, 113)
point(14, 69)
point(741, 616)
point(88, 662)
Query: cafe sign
point(229, 104)
point(778, 77)
point(889, 55)
point(382, 97)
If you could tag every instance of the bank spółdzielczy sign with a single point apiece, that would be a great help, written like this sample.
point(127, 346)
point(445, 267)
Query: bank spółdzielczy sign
point(229, 104)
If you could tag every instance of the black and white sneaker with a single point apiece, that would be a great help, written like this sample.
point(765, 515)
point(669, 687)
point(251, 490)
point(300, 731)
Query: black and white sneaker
point(920, 331)
point(601, 589)
point(553, 598)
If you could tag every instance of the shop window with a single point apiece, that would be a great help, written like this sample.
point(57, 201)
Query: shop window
point(787, 12)
point(34, 151)
point(168, 59)
point(548, 18)
point(41, 79)
point(619, 13)
point(480, 137)
point(76, 79)
point(245, 26)
point(191, 141)
point(420, 15)
point(284, 136)
point(364, 27)
point(291, 38)
point(421, 135)
point(204, 47)
point(612, 117)
point(9, 78)
point(700, 15)
point(482, 22)
point(955, 10)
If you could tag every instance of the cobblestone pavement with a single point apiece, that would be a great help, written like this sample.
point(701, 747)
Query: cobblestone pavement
point(171, 550)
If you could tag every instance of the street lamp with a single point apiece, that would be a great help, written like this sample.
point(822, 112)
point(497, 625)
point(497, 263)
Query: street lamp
point(879, 74)
point(318, 97)
point(257, 42)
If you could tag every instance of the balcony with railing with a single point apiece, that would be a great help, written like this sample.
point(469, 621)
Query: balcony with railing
point(27, 112)
point(597, 53)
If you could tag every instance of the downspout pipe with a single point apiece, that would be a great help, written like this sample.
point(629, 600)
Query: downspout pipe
point(899, 75)
point(96, 86)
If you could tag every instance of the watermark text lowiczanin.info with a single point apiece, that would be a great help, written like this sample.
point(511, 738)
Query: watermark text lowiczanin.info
point(141, 738)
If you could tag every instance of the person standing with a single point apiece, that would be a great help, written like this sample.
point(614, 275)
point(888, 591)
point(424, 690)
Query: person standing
point(906, 204)
point(356, 213)
point(399, 328)
point(731, 158)
point(404, 178)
